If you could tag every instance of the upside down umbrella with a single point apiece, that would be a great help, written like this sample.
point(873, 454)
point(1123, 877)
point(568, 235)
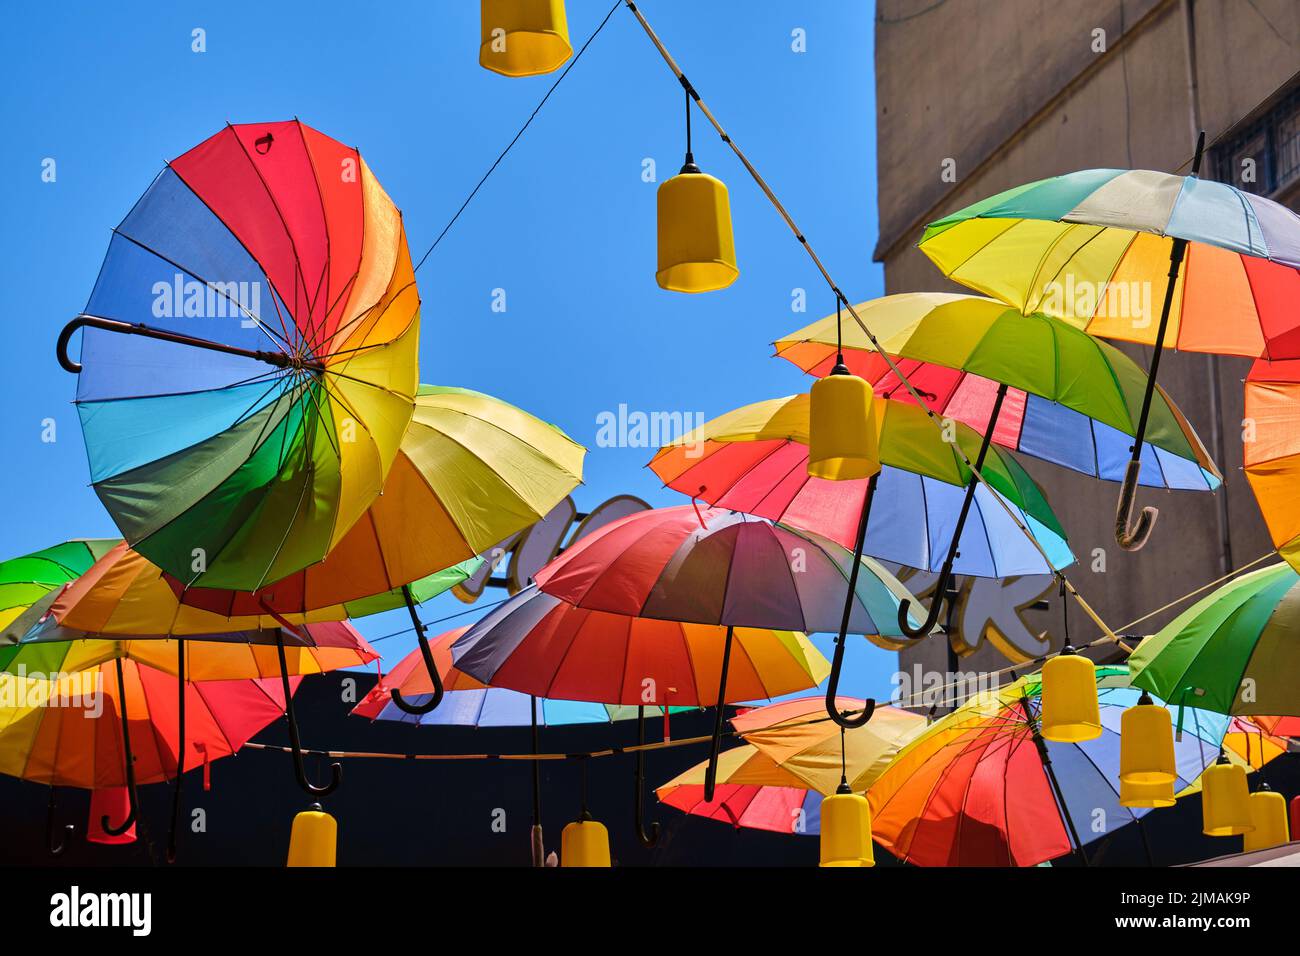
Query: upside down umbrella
point(792, 757)
point(1232, 652)
point(77, 731)
point(1087, 245)
point(725, 569)
point(982, 787)
point(1271, 450)
point(471, 703)
point(248, 355)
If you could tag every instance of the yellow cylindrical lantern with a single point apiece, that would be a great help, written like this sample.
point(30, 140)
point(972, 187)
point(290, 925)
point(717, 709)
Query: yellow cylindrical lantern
point(1225, 800)
point(314, 838)
point(843, 435)
point(523, 37)
point(1146, 795)
point(846, 831)
point(1268, 813)
point(1070, 712)
point(1146, 744)
point(584, 843)
point(696, 250)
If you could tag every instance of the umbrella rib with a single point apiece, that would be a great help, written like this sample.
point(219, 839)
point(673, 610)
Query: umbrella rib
point(257, 319)
point(299, 274)
point(323, 283)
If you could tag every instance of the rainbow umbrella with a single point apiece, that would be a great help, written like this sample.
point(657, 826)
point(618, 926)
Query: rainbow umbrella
point(754, 459)
point(77, 731)
point(471, 703)
point(1078, 411)
point(248, 359)
point(1088, 246)
point(1232, 652)
point(42, 641)
point(792, 757)
point(982, 787)
point(30, 578)
point(1271, 450)
point(49, 650)
point(726, 569)
point(539, 645)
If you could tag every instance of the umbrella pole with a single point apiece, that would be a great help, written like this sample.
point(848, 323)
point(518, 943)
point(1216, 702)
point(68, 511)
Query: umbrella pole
point(837, 660)
point(539, 846)
point(295, 742)
point(180, 750)
point(1046, 759)
point(1146, 844)
point(1134, 537)
point(651, 840)
point(133, 805)
point(945, 574)
point(715, 748)
point(417, 710)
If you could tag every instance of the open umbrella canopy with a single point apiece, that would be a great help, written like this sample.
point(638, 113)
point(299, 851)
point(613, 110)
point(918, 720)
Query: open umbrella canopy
point(1235, 651)
point(972, 789)
point(791, 758)
point(1078, 410)
point(49, 650)
point(471, 703)
point(753, 792)
point(1271, 450)
point(31, 578)
point(249, 355)
point(799, 737)
point(755, 459)
point(537, 644)
point(1089, 246)
point(722, 568)
point(69, 732)
point(471, 471)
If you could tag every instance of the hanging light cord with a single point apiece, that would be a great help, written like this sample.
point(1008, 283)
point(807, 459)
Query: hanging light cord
point(803, 241)
point(528, 122)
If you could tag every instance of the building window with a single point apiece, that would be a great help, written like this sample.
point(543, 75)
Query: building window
point(1264, 156)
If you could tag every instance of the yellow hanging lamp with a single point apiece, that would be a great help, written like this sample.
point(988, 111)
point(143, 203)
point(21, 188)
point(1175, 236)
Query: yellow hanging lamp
point(1071, 713)
point(584, 842)
point(697, 252)
point(1225, 799)
point(846, 830)
point(1138, 796)
point(1268, 813)
point(523, 37)
point(1146, 744)
point(313, 840)
point(843, 432)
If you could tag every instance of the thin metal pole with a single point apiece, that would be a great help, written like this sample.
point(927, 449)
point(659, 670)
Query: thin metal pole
point(715, 746)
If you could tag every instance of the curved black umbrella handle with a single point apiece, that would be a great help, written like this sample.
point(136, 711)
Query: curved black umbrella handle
point(129, 759)
point(837, 661)
point(931, 617)
point(651, 840)
point(295, 742)
point(426, 652)
point(1132, 538)
point(278, 359)
point(56, 845)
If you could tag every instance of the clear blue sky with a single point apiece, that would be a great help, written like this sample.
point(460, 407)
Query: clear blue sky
point(566, 225)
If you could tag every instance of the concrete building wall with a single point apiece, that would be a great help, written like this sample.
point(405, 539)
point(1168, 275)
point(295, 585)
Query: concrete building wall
point(1016, 90)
